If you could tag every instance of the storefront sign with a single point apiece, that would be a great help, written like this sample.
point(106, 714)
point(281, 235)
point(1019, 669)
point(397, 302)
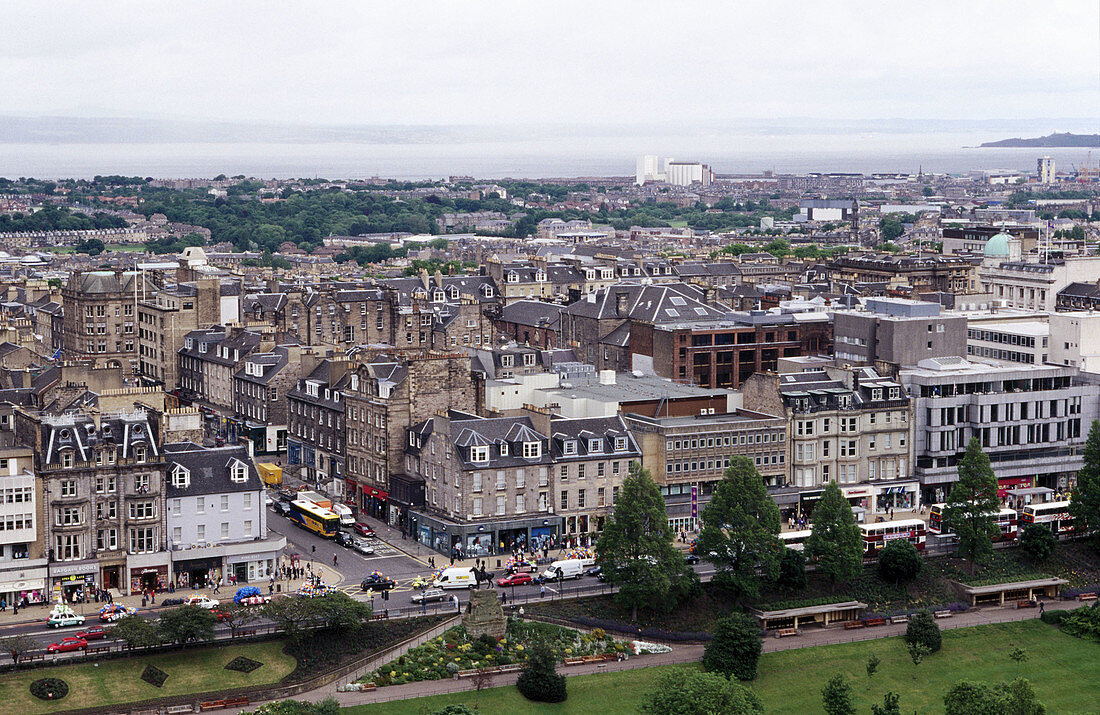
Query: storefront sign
point(694, 501)
point(89, 567)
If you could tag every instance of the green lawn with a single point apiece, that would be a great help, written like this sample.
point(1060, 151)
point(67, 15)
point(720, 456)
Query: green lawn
point(1063, 670)
point(119, 681)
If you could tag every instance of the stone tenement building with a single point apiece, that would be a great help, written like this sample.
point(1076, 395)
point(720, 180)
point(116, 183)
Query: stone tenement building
point(100, 321)
point(388, 392)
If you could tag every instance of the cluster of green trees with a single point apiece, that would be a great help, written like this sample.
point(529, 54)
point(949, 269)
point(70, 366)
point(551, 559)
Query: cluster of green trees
point(53, 218)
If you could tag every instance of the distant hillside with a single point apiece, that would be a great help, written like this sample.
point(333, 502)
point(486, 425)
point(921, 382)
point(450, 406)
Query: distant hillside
point(1053, 140)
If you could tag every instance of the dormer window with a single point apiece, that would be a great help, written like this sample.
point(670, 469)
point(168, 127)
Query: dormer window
point(238, 472)
point(479, 454)
point(507, 360)
point(540, 276)
point(454, 293)
point(139, 454)
point(620, 444)
point(895, 393)
point(438, 296)
point(570, 447)
point(876, 394)
point(504, 449)
point(513, 278)
point(532, 450)
point(487, 291)
point(528, 359)
point(412, 439)
point(67, 458)
point(190, 343)
point(594, 445)
point(181, 477)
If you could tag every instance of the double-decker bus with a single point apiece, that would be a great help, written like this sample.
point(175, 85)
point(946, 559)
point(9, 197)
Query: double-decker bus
point(314, 518)
point(795, 539)
point(1007, 523)
point(1054, 514)
point(876, 535)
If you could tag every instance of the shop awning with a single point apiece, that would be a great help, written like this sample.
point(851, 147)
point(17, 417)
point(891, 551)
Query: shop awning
point(30, 584)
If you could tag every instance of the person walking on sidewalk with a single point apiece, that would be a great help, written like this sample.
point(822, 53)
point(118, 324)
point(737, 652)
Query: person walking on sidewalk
point(334, 560)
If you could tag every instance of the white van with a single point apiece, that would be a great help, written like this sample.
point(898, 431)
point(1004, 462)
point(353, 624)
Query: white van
point(568, 568)
point(347, 518)
point(456, 578)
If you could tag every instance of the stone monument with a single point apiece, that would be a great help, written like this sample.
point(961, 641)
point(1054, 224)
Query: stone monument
point(484, 614)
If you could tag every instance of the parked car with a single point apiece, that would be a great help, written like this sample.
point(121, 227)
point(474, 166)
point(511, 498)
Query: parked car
point(516, 579)
point(377, 582)
point(280, 508)
point(691, 559)
point(428, 595)
point(343, 538)
point(171, 602)
point(201, 602)
point(363, 529)
point(67, 644)
point(92, 634)
point(594, 571)
point(363, 546)
point(114, 611)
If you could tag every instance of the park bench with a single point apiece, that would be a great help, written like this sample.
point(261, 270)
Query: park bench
point(784, 632)
point(237, 701)
point(97, 649)
point(1026, 604)
point(511, 667)
point(1086, 597)
point(32, 658)
point(899, 619)
point(369, 686)
point(943, 614)
point(875, 622)
point(211, 705)
point(178, 709)
point(852, 625)
point(246, 632)
point(467, 673)
point(154, 711)
point(574, 661)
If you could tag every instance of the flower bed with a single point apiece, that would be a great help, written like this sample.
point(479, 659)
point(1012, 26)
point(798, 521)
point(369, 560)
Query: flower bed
point(49, 689)
point(642, 648)
point(154, 676)
point(454, 651)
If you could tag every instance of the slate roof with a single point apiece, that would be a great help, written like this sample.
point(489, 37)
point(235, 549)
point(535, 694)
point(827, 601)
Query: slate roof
point(209, 470)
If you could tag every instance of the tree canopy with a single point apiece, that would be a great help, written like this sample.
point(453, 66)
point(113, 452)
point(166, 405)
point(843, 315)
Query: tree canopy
point(740, 531)
point(1084, 504)
point(688, 692)
point(636, 549)
point(835, 544)
point(972, 505)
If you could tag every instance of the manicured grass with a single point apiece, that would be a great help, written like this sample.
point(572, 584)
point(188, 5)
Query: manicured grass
point(1062, 669)
point(119, 681)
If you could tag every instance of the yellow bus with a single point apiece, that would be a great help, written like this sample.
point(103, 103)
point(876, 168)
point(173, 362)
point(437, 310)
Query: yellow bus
point(317, 519)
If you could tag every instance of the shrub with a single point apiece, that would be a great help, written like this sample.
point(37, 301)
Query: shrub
point(836, 696)
point(1083, 622)
point(49, 689)
point(1038, 542)
point(455, 709)
point(539, 681)
point(242, 664)
point(688, 692)
point(899, 562)
point(735, 648)
point(792, 570)
point(923, 629)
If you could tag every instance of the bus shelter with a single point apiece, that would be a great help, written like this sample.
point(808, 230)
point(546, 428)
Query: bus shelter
point(823, 615)
point(998, 593)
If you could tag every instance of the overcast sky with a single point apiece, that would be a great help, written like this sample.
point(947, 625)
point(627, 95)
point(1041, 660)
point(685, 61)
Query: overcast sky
point(408, 62)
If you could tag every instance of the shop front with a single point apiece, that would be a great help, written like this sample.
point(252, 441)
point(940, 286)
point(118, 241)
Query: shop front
point(24, 585)
point(148, 578)
point(897, 497)
point(375, 502)
point(248, 570)
point(197, 572)
point(69, 582)
point(457, 540)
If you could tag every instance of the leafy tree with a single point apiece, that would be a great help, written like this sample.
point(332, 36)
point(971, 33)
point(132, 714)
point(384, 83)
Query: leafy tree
point(338, 611)
point(54, 283)
point(455, 709)
point(688, 692)
point(974, 698)
point(922, 628)
point(890, 228)
point(779, 248)
point(735, 648)
point(438, 243)
point(737, 249)
point(187, 624)
point(927, 191)
point(890, 705)
point(835, 544)
point(18, 646)
point(836, 696)
point(1084, 504)
point(873, 663)
point(1018, 656)
point(91, 246)
point(792, 570)
point(899, 561)
point(740, 531)
point(292, 615)
point(1038, 542)
point(1019, 698)
point(137, 632)
point(972, 505)
point(539, 681)
point(917, 653)
point(636, 548)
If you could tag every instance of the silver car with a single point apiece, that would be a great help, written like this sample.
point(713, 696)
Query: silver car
point(428, 595)
point(363, 546)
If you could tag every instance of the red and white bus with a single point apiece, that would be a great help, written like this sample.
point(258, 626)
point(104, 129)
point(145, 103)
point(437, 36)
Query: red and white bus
point(795, 539)
point(876, 535)
point(1007, 523)
point(1053, 514)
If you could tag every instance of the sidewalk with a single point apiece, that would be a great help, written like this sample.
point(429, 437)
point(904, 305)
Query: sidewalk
point(90, 610)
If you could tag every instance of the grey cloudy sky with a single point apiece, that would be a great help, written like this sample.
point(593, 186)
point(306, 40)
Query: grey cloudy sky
point(414, 62)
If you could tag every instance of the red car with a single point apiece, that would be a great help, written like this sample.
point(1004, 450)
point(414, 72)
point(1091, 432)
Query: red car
point(93, 633)
point(516, 579)
point(67, 644)
point(363, 529)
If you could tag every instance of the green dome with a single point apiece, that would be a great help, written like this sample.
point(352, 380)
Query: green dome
point(997, 246)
